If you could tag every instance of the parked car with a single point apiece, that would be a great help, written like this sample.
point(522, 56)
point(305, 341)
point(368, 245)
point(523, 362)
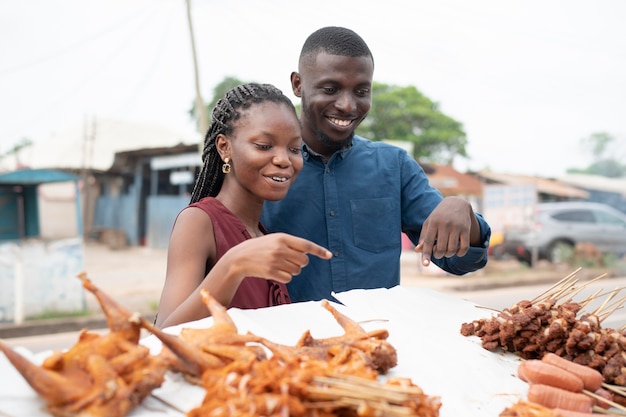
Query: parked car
point(556, 228)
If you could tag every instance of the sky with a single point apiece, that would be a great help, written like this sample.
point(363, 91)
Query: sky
point(527, 79)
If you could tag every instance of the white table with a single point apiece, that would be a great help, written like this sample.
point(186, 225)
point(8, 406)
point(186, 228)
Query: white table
point(424, 327)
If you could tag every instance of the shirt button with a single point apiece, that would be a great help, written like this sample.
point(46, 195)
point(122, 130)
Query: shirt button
point(336, 254)
point(332, 213)
point(327, 170)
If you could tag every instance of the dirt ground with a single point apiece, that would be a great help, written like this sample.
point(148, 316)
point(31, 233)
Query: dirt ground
point(133, 276)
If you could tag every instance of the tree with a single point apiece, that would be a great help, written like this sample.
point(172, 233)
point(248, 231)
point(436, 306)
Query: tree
point(400, 113)
point(15, 150)
point(605, 151)
point(222, 88)
point(404, 113)
point(218, 92)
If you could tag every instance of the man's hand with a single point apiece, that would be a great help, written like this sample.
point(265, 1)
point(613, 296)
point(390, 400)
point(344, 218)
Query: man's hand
point(449, 230)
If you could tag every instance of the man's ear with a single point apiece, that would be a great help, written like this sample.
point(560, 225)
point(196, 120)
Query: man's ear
point(296, 84)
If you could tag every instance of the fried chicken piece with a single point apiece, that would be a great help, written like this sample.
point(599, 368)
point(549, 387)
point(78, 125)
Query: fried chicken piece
point(117, 317)
point(55, 388)
point(194, 351)
point(382, 355)
point(101, 374)
point(183, 357)
point(249, 382)
point(527, 409)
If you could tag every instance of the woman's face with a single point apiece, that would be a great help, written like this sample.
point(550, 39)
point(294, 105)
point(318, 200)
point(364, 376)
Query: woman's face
point(265, 151)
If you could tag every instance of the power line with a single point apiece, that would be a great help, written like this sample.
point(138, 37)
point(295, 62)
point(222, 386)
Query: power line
point(107, 61)
point(76, 45)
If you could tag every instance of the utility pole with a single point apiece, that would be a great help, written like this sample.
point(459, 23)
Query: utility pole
point(201, 114)
point(89, 137)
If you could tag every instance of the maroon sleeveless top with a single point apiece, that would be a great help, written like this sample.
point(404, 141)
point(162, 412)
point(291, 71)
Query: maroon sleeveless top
point(230, 231)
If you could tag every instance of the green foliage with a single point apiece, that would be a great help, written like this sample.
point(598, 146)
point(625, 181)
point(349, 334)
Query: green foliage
point(54, 314)
point(608, 168)
point(607, 155)
point(598, 143)
point(218, 92)
point(399, 113)
point(23, 143)
point(404, 113)
point(220, 89)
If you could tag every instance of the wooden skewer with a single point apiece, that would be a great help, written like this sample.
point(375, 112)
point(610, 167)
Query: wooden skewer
point(329, 392)
point(619, 302)
point(388, 410)
point(413, 389)
point(557, 292)
point(600, 410)
point(567, 292)
point(347, 390)
point(598, 310)
point(560, 282)
point(599, 294)
point(615, 388)
point(577, 290)
point(589, 299)
point(370, 389)
point(604, 400)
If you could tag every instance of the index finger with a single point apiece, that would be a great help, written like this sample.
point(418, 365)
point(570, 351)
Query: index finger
point(306, 246)
point(426, 244)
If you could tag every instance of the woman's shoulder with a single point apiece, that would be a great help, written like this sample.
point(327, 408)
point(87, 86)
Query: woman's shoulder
point(191, 217)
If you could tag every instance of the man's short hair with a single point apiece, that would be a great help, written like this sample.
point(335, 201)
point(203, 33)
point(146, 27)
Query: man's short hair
point(335, 40)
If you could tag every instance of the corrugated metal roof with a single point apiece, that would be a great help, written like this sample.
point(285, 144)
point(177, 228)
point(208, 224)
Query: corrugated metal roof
point(35, 177)
point(543, 185)
point(596, 182)
point(449, 181)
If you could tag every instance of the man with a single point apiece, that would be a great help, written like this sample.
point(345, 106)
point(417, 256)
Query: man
point(355, 196)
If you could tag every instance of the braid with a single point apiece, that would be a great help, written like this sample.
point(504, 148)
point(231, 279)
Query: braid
point(225, 114)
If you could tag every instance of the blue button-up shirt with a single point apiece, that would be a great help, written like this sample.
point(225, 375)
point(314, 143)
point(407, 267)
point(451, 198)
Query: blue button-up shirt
point(357, 205)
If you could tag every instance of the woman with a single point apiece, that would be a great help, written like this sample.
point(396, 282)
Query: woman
point(252, 153)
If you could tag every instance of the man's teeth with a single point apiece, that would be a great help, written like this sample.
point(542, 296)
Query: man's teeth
point(279, 179)
point(340, 122)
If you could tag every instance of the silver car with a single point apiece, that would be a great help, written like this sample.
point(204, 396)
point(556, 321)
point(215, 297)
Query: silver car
point(555, 229)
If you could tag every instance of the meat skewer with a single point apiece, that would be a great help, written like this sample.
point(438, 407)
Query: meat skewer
point(553, 323)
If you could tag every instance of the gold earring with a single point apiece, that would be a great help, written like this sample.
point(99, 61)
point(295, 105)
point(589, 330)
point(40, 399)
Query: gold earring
point(226, 167)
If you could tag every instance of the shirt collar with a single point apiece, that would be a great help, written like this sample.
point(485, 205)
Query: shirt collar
point(307, 152)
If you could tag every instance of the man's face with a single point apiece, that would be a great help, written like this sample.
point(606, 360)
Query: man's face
point(336, 93)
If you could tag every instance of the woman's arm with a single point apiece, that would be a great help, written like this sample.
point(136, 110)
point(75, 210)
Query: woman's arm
point(191, 250)
point(276, 256)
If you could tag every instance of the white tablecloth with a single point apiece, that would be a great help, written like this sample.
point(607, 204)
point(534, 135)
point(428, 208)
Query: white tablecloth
point(424, 326)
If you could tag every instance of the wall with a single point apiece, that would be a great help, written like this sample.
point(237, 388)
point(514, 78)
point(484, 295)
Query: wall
point(161, 214)
point(57, 210)
point(38, 277)
point(507, 206)
point(118, 213)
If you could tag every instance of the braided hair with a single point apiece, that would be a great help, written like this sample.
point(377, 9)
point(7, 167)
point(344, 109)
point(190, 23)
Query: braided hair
point(225, 114)
point(334, 40)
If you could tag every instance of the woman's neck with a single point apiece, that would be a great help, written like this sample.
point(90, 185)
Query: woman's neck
point(249, 212)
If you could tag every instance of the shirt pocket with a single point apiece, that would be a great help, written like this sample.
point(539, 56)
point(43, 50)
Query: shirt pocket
point(375, 224)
